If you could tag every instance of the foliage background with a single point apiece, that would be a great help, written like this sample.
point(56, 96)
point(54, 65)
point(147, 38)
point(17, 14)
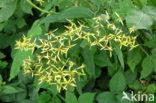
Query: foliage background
point(105, 78)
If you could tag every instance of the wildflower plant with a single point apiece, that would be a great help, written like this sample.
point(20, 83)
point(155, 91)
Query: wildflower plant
point(52, 62)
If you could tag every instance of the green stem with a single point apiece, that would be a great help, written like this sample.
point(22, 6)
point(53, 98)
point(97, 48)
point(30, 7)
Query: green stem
point(60, 96)
point(44, 11)
point(144, 50)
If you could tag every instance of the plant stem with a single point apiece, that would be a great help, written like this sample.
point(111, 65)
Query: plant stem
point(60, 96)
point(144, 50)
point(44, 11)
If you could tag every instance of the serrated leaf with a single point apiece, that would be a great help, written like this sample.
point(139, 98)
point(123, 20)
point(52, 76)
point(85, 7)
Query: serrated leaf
point(139, 19)
point(118, 82)
point(70, 98)
point(86, 98)
point(17, 62)
point(7, 9)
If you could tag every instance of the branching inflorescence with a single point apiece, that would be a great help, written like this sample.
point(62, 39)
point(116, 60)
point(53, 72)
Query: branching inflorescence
point(52, 63)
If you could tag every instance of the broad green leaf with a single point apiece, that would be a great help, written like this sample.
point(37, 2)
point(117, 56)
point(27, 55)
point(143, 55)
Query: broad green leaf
point(77, 12)
point(10, 26)
point(130, 76)
point(136, 85)
point(26, 7)
point(20, 22)
point(35, 29)
point(89, 62)
point(11, 90)
point(102, 60)
point(2, 55)
point(44, 97)
point(86, 98)
point(3, 64)
point(126, 6)
point(139, 19)
point(7, 40)
point(70, 98)
point(55, 99)
point(84, 43)
point(140, 3)
point(120, 100)
point(18, 61)
point(50, 88)
point(7, 10)
point(106, 97)
point(133, 58)
point(70, 13)
point(147, 67)
point(2, 26)
point(151, 10)
point(118, 82)
point(151, 88)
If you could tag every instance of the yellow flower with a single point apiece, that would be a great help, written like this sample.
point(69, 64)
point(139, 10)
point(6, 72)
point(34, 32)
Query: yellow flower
point(132, 29)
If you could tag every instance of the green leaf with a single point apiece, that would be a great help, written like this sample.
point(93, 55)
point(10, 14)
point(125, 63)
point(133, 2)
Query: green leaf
point(139, 19)
point(119, 54)
point(133, 58)
point(70, 13)
point(148, 66)
point(70, 98)
point(26, 7)
point(86, 98)
point(140, 3)
point(7, 9)
point(11, 90)
point(135, 85)
point(102, 60)
point(106, 97)
point(130, 76)
point(35, 29)
point(2, 26)
point(20, 22)
point(84, 43)
point(89, 62)
point(44, 97)
point(151, 10)
point(126, 6)
point(18, 61)
point(2, 55)
point(118, 82)
point(119, 97)
point(55, 99)
point(3, 64)
point(151, 88)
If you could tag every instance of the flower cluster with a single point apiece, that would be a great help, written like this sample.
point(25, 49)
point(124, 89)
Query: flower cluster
point(53, 64)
